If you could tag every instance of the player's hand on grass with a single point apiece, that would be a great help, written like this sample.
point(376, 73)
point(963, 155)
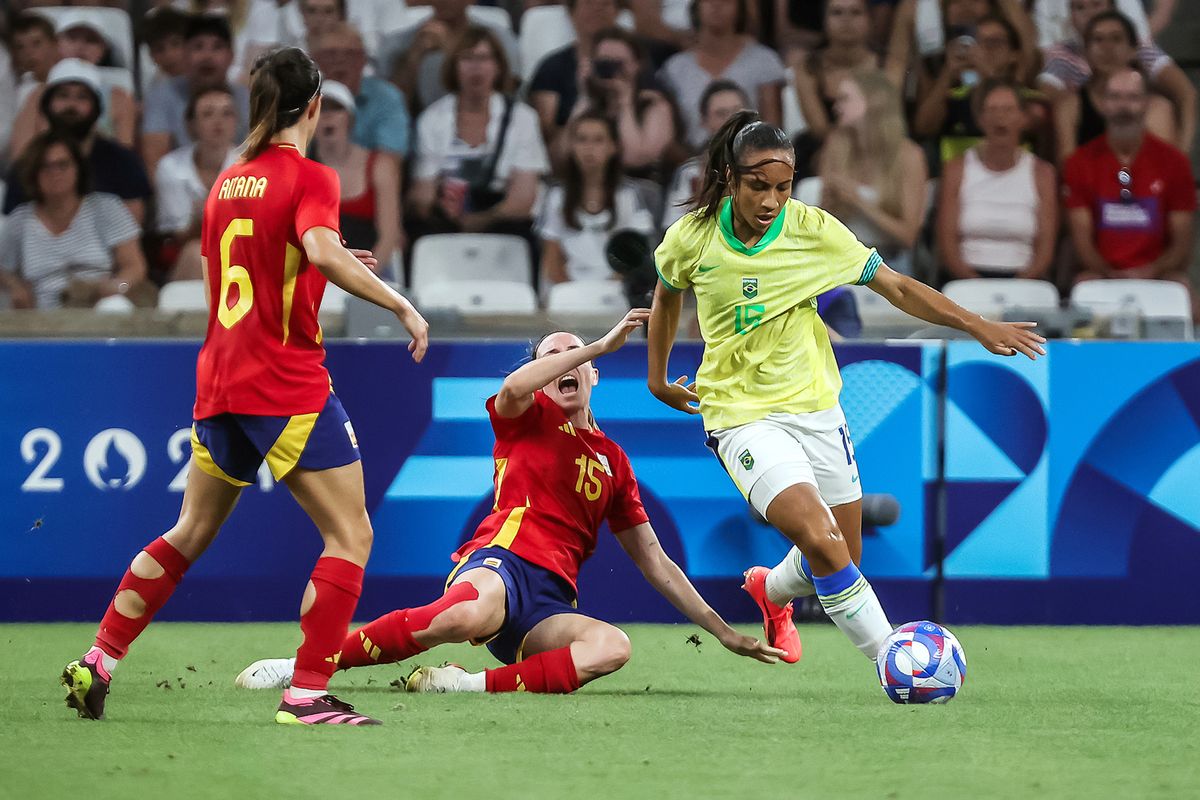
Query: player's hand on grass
point(1010, 338)
point(367, 258)
point(615, 339)
point(679, 395)
point(751, 648)
point(417, 328)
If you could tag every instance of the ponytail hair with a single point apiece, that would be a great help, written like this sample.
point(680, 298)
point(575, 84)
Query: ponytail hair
point(283, 82)
point(742, 133)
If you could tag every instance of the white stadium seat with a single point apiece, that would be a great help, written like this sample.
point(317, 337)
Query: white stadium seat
point(182, 296)
point(478, 297)
point(989, 297)
point(114, 304)
point(334, 299)
point(545, 29)
point(876, 311)
point(587, 297)
point(1154, 300)
point(488, 16)
point(114, 21)
point(470, 256)
point(808, 191)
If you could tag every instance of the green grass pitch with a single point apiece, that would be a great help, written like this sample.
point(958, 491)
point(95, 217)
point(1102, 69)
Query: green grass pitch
point(1046, 712)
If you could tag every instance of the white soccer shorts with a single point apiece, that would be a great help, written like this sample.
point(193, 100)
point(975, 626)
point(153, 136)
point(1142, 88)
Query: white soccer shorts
point(766, 456)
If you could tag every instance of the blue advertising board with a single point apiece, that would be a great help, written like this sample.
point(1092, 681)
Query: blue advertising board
point(1073, 484)
point(94, 448)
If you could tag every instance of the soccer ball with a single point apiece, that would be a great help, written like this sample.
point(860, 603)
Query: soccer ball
point(921, 662)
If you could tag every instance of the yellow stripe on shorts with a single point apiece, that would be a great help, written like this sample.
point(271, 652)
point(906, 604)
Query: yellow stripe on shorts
point(207, 465)
point(285, 453)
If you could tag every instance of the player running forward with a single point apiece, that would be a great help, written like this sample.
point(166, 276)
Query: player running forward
point(768, 384)
point(558, 477)
point(270, 239)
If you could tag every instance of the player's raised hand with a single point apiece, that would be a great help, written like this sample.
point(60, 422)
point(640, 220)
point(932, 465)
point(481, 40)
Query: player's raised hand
point(615, 339)
point(367, 258)
point(1010, 338)
point(752, 648)
point(679, 395)
point(417, 328)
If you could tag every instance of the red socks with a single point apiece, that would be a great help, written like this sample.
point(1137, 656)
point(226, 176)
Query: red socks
point(338, 583)
point(390, 638)
point(118, 631)
point(552, 672)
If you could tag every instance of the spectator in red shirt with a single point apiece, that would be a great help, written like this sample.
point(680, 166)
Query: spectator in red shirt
point(1129, 194)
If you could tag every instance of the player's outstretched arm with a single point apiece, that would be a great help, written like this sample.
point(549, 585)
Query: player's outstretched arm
point(923, 302)
point(664, 321)
point(516, 393)
point(350, 272)
point(642, 545)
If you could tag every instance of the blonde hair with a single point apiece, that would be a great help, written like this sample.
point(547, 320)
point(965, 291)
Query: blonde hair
point(871, 152)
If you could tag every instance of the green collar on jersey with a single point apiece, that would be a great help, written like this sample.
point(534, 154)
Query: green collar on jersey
point(725, 223)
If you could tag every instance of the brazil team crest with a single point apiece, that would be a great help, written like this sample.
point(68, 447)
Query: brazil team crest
point(746, 459)
point(750, 288)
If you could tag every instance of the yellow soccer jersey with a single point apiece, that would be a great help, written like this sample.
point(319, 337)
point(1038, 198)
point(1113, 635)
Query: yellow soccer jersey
point(766, 350)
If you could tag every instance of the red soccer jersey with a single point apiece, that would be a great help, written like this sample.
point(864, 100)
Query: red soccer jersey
point(555, 484)
point(262, 353)
point(1131, 232)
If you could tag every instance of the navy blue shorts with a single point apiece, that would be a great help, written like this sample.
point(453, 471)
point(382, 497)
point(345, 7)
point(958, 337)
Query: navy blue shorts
point(233, 446)
point(532, 594)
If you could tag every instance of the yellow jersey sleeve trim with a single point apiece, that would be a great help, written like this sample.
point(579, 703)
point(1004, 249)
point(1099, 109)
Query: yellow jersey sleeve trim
point(285, 453)
point(207, 465)
point(869, 269)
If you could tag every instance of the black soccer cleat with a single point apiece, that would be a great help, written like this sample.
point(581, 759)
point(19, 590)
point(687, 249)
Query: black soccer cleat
point(86, 685)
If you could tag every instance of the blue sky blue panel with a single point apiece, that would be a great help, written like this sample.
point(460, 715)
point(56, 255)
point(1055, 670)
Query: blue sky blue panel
point(1144, 438)
point(443, 476)
point(1013, 541)
point(890, 462)
point(872, 391)
point(1091, 381)
point(971, 454)
point(1178, 490)
point(462, 398)
point(1003, 405)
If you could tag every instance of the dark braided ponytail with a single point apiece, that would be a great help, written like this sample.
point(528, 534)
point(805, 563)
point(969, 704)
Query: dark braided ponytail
point(282, 84)
point(744, 132)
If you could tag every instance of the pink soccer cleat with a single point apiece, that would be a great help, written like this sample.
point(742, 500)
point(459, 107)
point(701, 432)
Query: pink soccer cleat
point(324, 710)
point(777, 620)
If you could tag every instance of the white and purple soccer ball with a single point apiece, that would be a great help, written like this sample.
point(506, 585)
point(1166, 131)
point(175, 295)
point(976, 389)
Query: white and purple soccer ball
point(921, 662)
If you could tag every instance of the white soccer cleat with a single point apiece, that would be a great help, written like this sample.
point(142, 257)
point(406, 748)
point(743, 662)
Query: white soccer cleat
point(269, 673)
point(446, 678)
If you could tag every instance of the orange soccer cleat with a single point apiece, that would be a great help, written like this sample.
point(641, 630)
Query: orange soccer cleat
point(777, 620)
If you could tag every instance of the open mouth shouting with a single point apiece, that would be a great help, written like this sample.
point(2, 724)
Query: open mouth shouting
point(567, 385)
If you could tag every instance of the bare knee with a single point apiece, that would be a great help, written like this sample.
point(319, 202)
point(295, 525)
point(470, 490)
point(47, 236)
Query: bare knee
point(463, 622)
point(351, 540)
point(602, 653)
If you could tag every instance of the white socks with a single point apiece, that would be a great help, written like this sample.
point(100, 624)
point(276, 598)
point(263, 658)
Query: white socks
point(852, 605)
point(790, 579)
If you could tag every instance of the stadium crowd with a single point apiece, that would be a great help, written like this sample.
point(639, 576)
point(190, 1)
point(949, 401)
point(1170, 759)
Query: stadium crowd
point(1039, 139)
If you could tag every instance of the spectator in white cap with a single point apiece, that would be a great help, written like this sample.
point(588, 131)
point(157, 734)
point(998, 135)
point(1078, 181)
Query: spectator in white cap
point(185, 175)
point(83, 38)
point(72, 102)
point(370, 180)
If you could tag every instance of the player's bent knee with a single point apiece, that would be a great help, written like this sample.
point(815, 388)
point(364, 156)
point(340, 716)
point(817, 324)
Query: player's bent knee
point(607, 652)
point(129, 603)
point(461, 623)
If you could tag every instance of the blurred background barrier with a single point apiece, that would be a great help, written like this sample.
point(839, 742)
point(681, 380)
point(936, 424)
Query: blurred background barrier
point(1063, 490)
